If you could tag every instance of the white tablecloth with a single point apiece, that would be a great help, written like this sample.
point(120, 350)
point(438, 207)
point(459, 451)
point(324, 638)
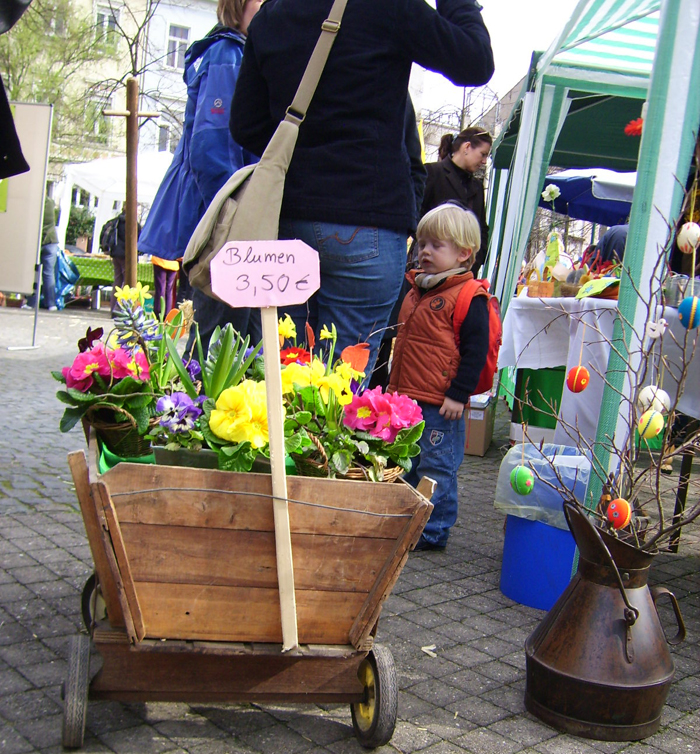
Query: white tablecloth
point(551, 332)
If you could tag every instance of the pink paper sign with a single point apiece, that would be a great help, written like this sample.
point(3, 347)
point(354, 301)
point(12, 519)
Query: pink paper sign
point(265, 273)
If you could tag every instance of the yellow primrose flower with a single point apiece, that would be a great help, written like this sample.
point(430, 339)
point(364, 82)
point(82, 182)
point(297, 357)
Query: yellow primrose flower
point(295, 374)
point(327, 334)
point(232, 412)
point(287, 328)
point(256, 429)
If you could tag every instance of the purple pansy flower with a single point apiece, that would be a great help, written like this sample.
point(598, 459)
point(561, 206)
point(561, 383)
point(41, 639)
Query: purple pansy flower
point(179, 412)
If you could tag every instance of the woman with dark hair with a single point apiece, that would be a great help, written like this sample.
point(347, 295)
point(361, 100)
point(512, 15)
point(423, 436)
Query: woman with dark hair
point(453, 179)
point(205, 158)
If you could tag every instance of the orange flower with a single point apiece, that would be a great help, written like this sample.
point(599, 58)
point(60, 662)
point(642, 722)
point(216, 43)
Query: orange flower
point(356, 356)
point(310, 337)
point(634, 127)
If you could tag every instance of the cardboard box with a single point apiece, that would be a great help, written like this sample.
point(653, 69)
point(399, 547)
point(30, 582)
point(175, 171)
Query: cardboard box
point(479, 416)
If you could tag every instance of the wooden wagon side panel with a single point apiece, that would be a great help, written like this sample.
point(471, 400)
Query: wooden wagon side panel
point(201, 551)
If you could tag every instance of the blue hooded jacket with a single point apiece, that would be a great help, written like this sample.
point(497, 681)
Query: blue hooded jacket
point(206, 155)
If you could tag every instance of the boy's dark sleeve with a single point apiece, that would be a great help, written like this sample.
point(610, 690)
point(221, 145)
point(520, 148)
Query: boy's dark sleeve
point(473, 349)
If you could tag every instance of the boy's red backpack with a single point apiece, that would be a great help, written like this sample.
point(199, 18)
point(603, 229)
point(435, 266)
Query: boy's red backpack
point(464, 300)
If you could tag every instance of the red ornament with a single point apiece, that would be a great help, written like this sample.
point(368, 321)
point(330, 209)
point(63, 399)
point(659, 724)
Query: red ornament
point(577, 380)
point(634, 127)
point(619, 513)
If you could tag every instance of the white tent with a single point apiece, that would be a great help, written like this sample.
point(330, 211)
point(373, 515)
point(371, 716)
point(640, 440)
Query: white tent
point(106, 179)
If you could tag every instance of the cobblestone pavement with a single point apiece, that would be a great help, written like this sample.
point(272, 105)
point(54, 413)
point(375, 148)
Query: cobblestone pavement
point(469, 698)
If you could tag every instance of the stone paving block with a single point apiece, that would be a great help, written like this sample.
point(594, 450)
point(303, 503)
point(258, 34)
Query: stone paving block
point(11, 742)
point(274, 739)
point(11, 682)
point(438, 692)
point(43, 732)
point(141, 739)
point(236, 719)
point(485, 741)
point(524, 730)
point(27, 705)
point(478, 711)
point(321, 729)
point(26, 653)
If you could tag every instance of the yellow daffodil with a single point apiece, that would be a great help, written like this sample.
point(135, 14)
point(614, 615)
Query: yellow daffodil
point(348, 373)
point(138, 295)
point(327, 334)
point(287, 328)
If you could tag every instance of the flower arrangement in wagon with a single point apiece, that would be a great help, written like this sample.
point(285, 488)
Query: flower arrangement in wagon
point(117, 379)
point(334, 428)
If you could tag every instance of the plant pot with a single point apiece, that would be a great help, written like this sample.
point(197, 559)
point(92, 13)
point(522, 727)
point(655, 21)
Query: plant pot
point(598, 665)
point(122, 438)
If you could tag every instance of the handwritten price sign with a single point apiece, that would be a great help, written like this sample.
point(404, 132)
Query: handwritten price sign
point(265, 273)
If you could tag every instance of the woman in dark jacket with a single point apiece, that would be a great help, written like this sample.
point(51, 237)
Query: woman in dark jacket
point(348, 192)
point(452, 179)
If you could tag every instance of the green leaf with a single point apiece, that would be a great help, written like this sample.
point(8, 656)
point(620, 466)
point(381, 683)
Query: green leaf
point(224, 360)
point(303, 417)
point(180, 368)
point(58, 376)
point(293, 444)
point(73, 396)
point(71, 416)
point(342, 461)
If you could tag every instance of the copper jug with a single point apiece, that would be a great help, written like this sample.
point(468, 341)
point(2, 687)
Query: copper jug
point(598, 665)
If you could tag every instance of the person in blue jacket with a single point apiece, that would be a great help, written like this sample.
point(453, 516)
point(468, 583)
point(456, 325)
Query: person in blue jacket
point(348, 192)
point(206, 155)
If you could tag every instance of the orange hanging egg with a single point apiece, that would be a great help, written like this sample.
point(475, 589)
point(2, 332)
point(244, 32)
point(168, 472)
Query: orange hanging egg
point(619, 513)
point(577, 379)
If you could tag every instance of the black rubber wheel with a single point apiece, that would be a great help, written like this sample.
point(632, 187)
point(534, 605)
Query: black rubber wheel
point(374, 719)
point(92, 603)
point(75, 692)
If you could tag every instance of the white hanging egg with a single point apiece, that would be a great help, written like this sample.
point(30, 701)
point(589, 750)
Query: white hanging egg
point(688, 237)
point(653, 397)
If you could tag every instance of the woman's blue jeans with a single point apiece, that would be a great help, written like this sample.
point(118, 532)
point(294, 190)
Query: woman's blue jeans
point(361, 273)
point(49, 257)
point(441, 454)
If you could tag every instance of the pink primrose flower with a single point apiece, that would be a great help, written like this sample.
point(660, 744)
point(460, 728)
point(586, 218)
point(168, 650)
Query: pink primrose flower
point(359, 414)
point(406, 412)
point(130, 365)
point(87, 363)
point(83, 385)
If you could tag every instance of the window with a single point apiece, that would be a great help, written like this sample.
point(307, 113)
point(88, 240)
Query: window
point(177, 46)
point(97, 126)
point(163, 138)
point(106, 22)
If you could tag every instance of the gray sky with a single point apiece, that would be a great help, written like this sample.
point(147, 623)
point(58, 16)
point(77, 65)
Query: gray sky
point(517, 27)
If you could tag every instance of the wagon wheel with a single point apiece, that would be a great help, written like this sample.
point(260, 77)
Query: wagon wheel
point(92, 603)
point(374, 719)
point(75, 692)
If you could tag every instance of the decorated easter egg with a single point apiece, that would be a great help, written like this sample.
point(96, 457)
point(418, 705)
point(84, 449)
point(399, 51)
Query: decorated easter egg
point(653, 397)
point(577, 379)
point(522, 480)
point(688, 237)
point(650, 424)
point(689, 312)
point(619, 513)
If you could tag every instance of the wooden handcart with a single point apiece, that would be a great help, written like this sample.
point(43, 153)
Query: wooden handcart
point(184, 604)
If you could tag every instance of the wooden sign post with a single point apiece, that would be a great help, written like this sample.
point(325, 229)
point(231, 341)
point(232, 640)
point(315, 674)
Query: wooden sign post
point(267, 275)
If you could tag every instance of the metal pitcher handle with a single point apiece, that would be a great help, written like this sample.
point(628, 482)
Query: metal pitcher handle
point(631, 612)
point(658, 591)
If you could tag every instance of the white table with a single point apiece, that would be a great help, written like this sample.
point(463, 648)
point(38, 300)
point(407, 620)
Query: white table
point(550, 332)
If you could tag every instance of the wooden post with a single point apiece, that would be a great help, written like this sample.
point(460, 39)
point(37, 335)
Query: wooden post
point(275, 423)
point(132, 147)
point(132, 116)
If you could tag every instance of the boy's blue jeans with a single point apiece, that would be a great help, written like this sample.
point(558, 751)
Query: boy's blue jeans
point(441, 454)
point(361, 273)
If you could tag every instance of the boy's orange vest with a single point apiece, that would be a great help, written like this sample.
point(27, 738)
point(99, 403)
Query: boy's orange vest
point(426, 356)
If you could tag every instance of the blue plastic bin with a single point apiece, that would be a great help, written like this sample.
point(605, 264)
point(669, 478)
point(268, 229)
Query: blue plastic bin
point(537, 562)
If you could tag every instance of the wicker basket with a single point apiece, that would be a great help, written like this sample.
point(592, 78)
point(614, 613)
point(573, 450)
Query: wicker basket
point(538, 288)
point(122, 439)
point(319, 467)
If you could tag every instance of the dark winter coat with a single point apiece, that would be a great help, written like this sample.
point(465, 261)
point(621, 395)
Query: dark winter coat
point(350, 165)
point(206, 155)
point(447, 182)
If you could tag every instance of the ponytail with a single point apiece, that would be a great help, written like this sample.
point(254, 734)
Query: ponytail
point(475, 135)
point(445, 148)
